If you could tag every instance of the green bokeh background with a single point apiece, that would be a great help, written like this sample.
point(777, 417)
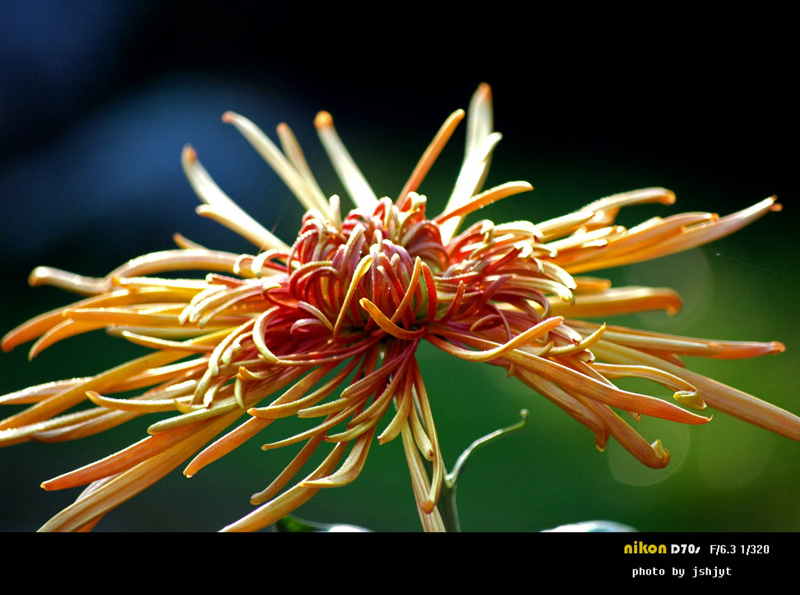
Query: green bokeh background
point(562, 137)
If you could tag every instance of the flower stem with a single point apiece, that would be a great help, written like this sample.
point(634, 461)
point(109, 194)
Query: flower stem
point(448, 508)
point(447, 500)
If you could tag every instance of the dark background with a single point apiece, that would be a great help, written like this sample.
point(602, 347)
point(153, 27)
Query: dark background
point(97, 99)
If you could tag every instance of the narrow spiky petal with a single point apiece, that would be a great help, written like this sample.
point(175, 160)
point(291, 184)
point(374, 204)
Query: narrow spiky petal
point(357, 186)
point(430, 155)
point(222, 208)
point(307, 194)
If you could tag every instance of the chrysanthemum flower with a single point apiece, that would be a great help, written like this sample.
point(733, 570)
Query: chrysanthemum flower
point(326, 329)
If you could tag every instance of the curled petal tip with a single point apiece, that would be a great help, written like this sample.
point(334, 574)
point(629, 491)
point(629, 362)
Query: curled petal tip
point(485, 89)
point(690, 399)
point(661, 452)
point(38, 276)
point(228, 117)
point(777, 347)
point(673, 304)
point(601, 440)
point(323, 120)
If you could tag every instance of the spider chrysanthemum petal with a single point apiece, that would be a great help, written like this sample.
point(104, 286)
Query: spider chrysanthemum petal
point(326, 329)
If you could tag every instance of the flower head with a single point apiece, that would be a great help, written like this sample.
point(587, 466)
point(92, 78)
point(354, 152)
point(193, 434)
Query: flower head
point(327, 328)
